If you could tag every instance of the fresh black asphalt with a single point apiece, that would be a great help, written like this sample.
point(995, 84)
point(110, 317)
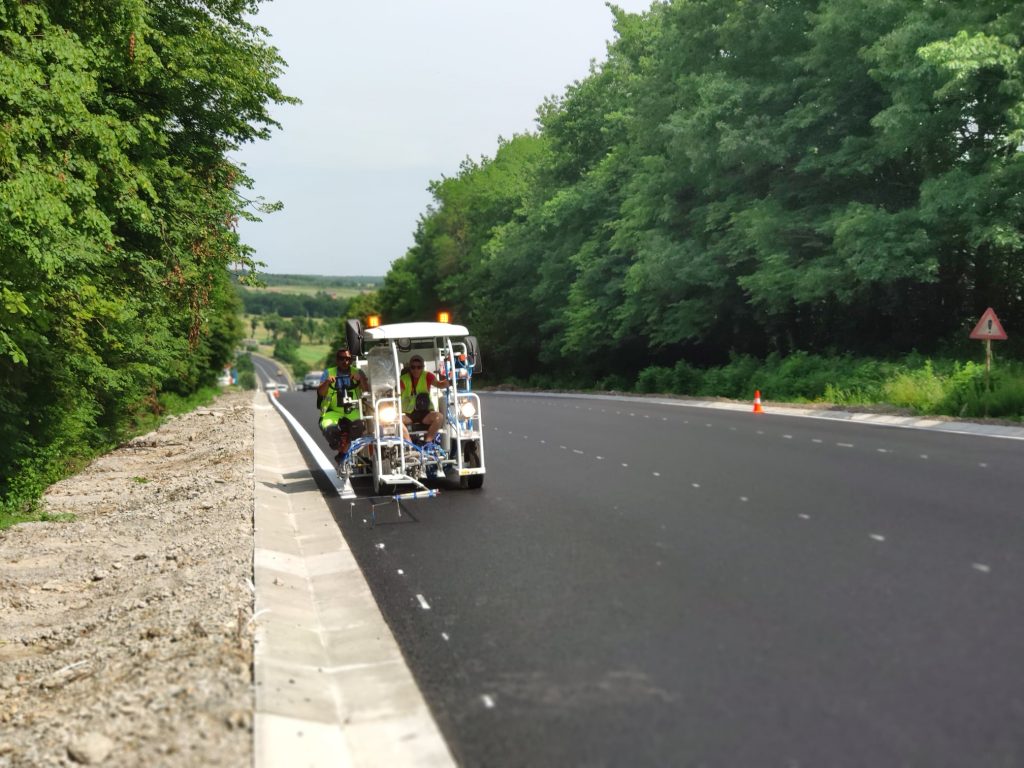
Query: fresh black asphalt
point(639, 584)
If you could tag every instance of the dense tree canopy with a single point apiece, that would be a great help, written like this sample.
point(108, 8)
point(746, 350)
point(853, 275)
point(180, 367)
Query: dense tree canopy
point(117, 211)
point(745, 177)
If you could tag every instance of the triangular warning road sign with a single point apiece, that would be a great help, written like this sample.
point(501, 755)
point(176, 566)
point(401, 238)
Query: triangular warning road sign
point(989, 327)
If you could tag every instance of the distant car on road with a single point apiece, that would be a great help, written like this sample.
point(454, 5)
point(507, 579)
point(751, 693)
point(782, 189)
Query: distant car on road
point(312, 380)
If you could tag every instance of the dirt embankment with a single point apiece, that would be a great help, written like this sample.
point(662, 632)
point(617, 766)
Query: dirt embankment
point(125, 635)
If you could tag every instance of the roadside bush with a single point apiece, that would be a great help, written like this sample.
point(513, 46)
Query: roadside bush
point(286, 350)
point(655, 379)
point(1006, 400)
point(737, 379)
point(920, 389)
point(686, 380)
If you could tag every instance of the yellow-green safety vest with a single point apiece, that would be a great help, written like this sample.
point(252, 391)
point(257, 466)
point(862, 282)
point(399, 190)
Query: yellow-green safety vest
point(331, 409)
point(409, 396)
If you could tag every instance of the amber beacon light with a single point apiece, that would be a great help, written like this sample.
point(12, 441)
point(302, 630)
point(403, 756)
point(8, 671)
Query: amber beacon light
point(444, 316)
point(373, 321)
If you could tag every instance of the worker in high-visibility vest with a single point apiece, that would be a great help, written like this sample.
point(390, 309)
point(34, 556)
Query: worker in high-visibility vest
point(417, 407)
point(339, 393)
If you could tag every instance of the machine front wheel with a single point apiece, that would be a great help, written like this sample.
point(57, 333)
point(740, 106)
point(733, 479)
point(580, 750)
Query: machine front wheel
point(471, 459)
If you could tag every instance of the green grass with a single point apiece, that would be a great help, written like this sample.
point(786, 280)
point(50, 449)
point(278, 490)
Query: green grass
point(313, 356)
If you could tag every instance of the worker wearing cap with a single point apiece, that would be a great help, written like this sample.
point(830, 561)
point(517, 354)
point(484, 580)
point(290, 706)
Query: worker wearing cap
point(338, 396)
point(416, 406)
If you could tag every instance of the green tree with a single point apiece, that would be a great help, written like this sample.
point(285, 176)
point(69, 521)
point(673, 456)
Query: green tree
point(117, 213)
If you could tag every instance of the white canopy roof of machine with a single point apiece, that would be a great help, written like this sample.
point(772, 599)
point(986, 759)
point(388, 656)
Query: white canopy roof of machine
point(414, 331)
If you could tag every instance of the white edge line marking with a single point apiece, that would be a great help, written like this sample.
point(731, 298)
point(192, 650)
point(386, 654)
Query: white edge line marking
point(423, 602)
point(343, 490)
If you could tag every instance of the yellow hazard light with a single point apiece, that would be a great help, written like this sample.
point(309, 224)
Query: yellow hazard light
point(444, 316)
point(373, 321)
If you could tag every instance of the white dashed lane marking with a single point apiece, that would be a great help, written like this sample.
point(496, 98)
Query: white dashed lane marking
point(423, 602)
point(488, 701)
point(980, 567)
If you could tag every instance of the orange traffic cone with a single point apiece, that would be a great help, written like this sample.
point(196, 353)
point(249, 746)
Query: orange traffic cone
point(757, 401)
point(276, 395)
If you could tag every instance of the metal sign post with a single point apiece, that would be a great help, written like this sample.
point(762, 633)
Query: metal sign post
point(988, 329)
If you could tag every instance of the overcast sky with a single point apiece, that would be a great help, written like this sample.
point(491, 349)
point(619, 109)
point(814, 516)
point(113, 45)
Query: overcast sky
point(396, 93)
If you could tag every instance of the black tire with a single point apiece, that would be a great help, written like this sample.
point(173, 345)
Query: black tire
point(471, 459)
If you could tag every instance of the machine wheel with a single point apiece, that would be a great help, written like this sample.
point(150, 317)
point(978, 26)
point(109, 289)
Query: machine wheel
point(472, 460)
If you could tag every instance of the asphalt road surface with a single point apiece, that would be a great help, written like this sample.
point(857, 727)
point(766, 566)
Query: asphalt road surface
point(647, 585)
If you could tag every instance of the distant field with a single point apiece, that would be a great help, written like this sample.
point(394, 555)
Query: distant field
point(311, 289)
point(341, 286)
point(314, 355)
point(360, 282)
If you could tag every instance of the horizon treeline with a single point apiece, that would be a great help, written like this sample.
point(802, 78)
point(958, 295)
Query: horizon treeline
point(745, 178)
point(118, 206)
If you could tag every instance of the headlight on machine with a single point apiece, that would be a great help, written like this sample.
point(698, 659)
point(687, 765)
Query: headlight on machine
point(467, 410)
point(388, 414)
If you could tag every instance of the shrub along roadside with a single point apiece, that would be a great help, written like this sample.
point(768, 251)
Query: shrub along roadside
point(935, 387)
point(925, 386)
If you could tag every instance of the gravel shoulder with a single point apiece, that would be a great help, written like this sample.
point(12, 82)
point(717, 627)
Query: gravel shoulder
point(126, 634)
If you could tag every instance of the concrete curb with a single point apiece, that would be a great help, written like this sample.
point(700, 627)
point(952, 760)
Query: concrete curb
point(876, 419)
point(332, 687)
